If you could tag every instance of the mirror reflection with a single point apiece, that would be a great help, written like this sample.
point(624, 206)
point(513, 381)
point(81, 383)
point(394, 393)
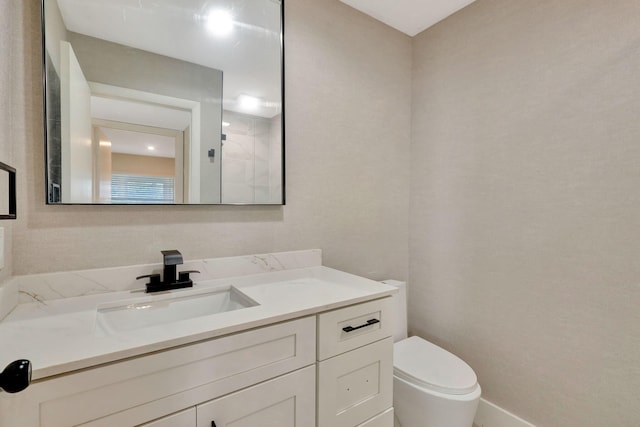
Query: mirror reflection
point(158, 101)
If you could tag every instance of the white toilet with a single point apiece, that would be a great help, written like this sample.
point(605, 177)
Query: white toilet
point(431, 387)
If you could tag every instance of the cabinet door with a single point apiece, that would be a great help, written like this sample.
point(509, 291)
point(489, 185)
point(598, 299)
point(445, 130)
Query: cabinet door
point(287, 401)
point(355, 386)
point(185, 418)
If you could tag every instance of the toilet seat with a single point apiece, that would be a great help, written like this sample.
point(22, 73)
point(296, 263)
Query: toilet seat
point(426, 365)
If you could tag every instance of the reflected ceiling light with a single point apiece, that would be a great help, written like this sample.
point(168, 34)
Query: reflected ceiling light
point(151, 148)
point(226, 124)
point(248, 102)
point(220, 22)
point(105, 143)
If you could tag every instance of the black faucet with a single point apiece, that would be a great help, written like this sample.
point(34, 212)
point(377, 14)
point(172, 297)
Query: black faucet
point(171, 258)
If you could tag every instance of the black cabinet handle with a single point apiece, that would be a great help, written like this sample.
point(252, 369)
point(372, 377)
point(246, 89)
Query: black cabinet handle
point(353, 328)
point(16, 376)
point(213, 424)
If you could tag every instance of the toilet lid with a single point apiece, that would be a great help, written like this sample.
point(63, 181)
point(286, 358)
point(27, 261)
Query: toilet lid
point(426, 365)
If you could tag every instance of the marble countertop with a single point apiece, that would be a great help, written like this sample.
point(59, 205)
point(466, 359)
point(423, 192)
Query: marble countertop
point(60, 336)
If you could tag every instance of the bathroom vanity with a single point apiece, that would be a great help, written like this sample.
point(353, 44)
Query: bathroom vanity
point(304, 347)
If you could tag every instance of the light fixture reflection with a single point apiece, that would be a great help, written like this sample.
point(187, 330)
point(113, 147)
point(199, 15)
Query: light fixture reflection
point(248, 102)
point(220, 22)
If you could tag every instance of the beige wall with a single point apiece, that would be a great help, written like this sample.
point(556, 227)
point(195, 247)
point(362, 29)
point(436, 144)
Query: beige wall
point(524, 209)
point(7, 43)
point(348, 87)
point(524, 219)
point(143, 165)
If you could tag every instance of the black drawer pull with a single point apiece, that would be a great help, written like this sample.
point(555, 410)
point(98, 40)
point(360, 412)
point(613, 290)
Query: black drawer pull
point(353, 328)
point(213, 424)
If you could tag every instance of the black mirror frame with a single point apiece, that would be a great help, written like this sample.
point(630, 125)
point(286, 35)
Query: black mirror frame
point(50, 189)
point(12, 191)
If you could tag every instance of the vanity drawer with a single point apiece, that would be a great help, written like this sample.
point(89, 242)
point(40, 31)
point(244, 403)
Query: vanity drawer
point(351, 327)
point(355, 386)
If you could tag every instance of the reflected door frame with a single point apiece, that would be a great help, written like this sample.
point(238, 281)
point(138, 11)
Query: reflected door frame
point(190, 163)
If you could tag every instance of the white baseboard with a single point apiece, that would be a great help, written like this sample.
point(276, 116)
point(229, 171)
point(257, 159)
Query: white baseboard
point(490, 415)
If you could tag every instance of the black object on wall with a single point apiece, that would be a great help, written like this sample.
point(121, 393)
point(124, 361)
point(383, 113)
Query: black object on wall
point(10, 192)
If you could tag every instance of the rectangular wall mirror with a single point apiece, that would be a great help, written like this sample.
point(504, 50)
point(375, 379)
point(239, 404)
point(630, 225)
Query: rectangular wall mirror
point(164, 101)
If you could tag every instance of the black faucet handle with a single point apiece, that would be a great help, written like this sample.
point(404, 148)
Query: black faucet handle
point(172, 257)
point(154, 284)
point(183, 276)
point(153, 278)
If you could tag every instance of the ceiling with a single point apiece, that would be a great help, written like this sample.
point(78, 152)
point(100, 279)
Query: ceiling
point(249, 55)
point(178, 29)
point(138, 143)
point(409, 16)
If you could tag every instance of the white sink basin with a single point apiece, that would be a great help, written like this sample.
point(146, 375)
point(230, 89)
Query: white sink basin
point(173, 306)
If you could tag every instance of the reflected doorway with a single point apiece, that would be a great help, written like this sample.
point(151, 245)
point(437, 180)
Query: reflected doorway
point(136, 164)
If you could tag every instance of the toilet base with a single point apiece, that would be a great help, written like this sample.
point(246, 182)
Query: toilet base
point(417, 407)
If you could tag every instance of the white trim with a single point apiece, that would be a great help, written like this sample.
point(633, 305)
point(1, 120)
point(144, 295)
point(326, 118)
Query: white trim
point(110, 91)
point(491, 415)
point(193, 160)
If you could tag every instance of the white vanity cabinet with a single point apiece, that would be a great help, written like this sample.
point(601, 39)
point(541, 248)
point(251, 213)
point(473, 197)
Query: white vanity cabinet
point(177, 381)
point(355, 366)
point(331, 369)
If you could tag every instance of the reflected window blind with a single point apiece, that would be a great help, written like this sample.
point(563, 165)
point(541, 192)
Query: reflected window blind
point(141, 189)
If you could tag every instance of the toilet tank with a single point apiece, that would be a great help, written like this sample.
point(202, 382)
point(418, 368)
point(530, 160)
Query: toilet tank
point(400, 309)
